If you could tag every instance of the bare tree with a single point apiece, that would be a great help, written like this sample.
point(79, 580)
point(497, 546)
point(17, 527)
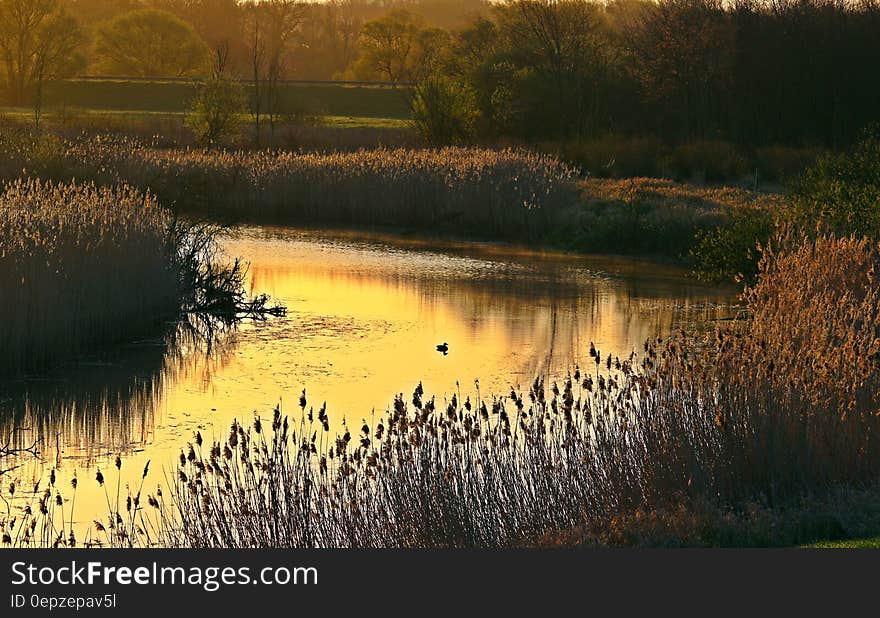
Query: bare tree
point(56, 55)
point(37, 41)
point(271, 27)
point(557, 37)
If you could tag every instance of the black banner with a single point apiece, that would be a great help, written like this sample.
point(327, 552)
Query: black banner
point(397, 582)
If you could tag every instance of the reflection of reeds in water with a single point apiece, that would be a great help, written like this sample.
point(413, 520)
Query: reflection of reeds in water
point(108, 406)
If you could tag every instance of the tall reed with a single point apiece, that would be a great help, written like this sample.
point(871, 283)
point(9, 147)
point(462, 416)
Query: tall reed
point(80, 265)
point(494, 193)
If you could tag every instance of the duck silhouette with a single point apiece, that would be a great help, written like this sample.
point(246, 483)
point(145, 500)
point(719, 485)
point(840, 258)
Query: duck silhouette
point(444, 347)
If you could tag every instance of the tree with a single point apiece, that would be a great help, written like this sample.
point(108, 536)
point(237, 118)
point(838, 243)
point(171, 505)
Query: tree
point(399, 47)
point(39, 41)
point(56, 55)
point(270, 27)
point(328, 39)
point(443, 111)
point(150, 43)
point(218, 22)
point(683, 55)
point(555, 43)
point(215, 113)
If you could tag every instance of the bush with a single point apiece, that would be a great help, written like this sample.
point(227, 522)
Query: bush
point(840, 193)
point(216, 110)
point(644, 215)
point(731, 251)
point(613, 156)
point(778, 162)
point(443, 111)
point(705, 161)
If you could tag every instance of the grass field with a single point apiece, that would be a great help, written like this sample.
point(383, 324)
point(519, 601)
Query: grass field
point(174, 96)
point(870, 543)
point(108, 118)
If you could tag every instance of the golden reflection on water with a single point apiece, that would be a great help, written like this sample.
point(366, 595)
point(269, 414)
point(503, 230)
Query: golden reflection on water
point(364, 319)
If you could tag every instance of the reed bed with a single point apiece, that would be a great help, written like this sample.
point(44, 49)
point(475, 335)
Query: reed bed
point(80, 265)
point(493, 193)
point(83, 266)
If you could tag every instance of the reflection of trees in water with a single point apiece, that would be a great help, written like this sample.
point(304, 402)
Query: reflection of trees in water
point(108, 404)
point(551, 305)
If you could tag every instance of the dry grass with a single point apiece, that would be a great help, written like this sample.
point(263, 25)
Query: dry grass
point(510, 194)
point(496, 193)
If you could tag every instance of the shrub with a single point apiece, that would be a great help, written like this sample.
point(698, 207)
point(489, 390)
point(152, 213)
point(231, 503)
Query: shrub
point(614, 156)
point(731, 251)
point(443, 111)
point(705, 161)
point(840, 193)
point(215, 113)
point(778, 162)
point(643, 215)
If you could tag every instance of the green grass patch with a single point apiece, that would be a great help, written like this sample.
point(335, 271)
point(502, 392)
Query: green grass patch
point(360, 122)
point(174, 96)
point(869, 543)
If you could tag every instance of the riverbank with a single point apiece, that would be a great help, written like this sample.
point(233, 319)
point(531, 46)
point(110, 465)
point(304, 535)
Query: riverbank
point(471, 193)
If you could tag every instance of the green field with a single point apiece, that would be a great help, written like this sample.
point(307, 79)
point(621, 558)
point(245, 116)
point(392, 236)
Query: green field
point(115, 117)
point(333, 100)
point(870, 543)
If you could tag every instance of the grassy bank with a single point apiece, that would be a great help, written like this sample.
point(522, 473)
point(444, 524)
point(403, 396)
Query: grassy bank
point(469, 192)
point(656, 217)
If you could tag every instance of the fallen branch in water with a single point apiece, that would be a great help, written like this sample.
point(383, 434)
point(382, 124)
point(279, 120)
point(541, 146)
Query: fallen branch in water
point(7, 450)
point(211, 285)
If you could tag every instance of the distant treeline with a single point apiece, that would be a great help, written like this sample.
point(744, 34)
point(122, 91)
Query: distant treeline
point(792, 72)
point(781, 72)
